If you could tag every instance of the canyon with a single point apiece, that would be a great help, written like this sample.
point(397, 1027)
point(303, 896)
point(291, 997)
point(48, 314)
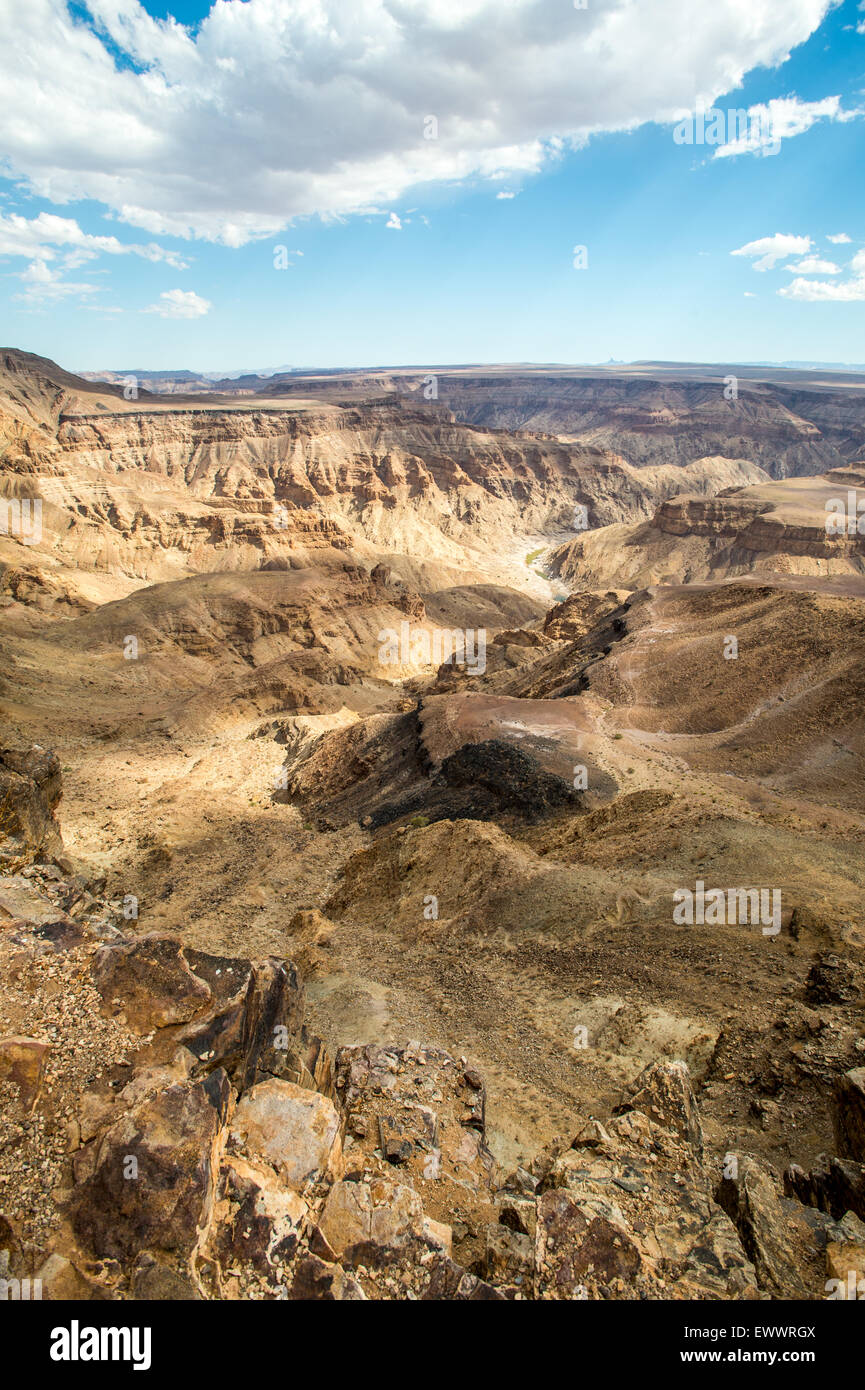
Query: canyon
point(508, 1071)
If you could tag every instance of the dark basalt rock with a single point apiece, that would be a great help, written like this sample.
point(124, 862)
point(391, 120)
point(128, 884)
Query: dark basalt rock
point(484, 781)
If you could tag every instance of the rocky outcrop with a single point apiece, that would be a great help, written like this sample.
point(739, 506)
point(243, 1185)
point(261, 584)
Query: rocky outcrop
point(834, 1185)
point(750, 1199)
point(457, 757)
point(22, 1063)
point(147, 1181)
point(229, 1158)
point(30, 789)
point(848, 1114)
point(778, 527)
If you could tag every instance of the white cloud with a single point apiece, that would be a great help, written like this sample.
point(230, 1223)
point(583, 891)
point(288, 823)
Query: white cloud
point(276, 109)
point(841, 291)
point(749, 294)
point(180, 304)
point(839, 239)
point(393, 223)
point(40, 236)
point(506, 195)
point(61, 241)
point(769, 250)
point(815, 290)
point(45, 285)
point(780, 119)
point(813, 265)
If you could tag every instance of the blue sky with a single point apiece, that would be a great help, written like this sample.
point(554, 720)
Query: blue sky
point(183, 158)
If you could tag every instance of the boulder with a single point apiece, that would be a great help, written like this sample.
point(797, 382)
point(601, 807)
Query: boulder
point(316, 1279)
point(154, 1282)
point(30, 788)
point(448, 1281)
point(150, 981)
point(61, 1282)
point(370, 1222)
point(753, 1205)
point(255, 1029)
point(296, 1131)
point(647, 1182)
point(257, 1221)
point(663, 1092)
point(149, 1180)
point(834, 1185)
point(272, 1018)
point(578, 1241)
point(517, 1213)
point(509, 1257)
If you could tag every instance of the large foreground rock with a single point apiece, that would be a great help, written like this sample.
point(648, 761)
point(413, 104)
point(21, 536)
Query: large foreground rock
point(295, 1130)
point(227, 1159)
point(368, 1222)
point(149, 1180)
point(30, 788)
point(749, 1197)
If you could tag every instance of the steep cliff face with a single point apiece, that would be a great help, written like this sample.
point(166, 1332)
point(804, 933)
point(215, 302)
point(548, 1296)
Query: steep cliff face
point(148, 490)
point(791, 423)
point(768, 528)
point(647, 419)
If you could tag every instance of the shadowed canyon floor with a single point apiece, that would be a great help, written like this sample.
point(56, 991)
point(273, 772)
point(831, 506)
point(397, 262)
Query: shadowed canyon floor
point(484, 858)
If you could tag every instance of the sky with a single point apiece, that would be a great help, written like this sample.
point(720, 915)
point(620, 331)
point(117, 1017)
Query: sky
point(345, 183)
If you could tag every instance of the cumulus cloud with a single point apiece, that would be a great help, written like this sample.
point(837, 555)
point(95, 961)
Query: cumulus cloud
point(393, 223)
point(839, 239)
point(769, 250)
point(841, 291)
point(44, 284)
point(275, 109)
point(180, 304)
point(42, 236)
point(816, 290)
point(63, 243)
point(770, 122)
point(506, 195)
point(814, 265)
